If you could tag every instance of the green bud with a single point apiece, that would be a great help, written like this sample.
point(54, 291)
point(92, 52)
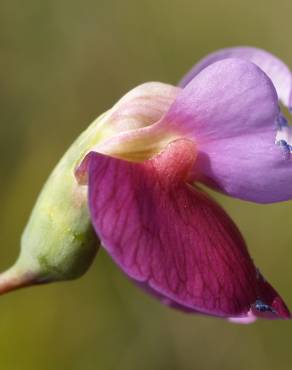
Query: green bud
point(58, 242)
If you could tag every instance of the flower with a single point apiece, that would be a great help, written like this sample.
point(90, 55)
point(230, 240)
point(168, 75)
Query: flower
point(164, 232)
point(138, 167)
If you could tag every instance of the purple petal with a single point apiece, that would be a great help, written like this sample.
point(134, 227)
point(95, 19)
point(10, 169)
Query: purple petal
point(171, 237)
point(251, 167)
point(231, 111)
point(278, 72)
point(229, 98)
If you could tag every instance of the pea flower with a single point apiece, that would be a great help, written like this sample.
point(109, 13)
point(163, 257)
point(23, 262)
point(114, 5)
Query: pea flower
point(137, 170)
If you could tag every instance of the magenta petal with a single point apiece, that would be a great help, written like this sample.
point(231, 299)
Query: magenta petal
point(171, 237)
point(164, 299)
point(278, 71)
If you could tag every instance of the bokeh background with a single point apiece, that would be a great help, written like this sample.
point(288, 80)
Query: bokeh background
point(62, 63)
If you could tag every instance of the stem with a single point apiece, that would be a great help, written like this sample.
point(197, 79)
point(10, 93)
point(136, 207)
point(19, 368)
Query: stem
point(13, 279)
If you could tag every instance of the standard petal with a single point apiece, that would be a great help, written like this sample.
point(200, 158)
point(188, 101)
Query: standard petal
point(171, 237)
point(229, 98)
point(278, 71)
point(231, 111)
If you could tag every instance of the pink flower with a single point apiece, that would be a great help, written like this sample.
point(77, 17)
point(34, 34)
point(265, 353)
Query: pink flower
point(138, 167)
point(223, 127)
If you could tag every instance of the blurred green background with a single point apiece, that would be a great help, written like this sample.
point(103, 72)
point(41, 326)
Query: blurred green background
point(62, 63)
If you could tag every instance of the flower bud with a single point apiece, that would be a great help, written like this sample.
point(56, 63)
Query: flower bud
point(58, 242)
